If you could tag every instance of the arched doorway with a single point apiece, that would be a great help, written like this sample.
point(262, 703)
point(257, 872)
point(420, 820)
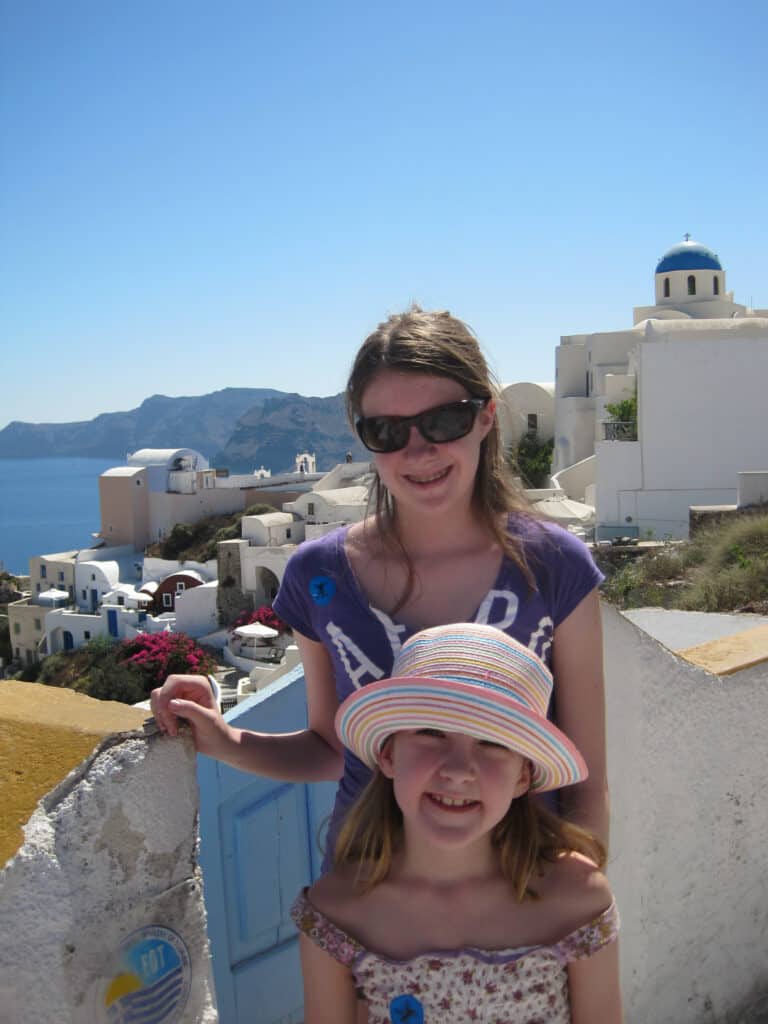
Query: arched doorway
point(267, 586)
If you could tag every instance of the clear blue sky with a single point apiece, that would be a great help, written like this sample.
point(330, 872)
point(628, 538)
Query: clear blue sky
point(196, 195)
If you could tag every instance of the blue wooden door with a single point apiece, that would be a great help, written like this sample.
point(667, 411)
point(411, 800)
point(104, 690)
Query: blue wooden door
point(259, 844)
point(112, 621)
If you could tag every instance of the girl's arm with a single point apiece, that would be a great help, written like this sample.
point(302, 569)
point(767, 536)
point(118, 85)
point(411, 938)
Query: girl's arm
point(329, 989)
point(309, 755)
point(577, 662)
point(594, 990)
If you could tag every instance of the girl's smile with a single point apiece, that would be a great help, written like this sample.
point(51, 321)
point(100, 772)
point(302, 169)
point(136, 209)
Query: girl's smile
point(452, 789)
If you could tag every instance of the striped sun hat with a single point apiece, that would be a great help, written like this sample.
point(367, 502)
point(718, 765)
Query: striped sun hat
point(469, 679)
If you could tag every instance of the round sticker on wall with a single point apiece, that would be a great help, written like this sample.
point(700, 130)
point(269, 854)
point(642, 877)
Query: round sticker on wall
point(150, 979)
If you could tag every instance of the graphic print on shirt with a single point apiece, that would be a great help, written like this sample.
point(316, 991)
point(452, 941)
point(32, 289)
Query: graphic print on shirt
point(345, 647)
point(392, 629)
point(541, 640)
point(498, 608)
point(360, 669)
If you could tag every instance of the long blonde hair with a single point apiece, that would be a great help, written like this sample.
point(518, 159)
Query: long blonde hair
point(439, 345)
point(525, 839)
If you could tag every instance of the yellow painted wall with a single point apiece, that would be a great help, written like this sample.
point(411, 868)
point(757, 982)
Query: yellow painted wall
point(45, 732)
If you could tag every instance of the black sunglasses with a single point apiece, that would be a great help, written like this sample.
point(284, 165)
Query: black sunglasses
point(442, 423)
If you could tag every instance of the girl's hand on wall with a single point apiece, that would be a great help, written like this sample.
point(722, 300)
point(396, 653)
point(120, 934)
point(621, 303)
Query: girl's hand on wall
point(191, 699)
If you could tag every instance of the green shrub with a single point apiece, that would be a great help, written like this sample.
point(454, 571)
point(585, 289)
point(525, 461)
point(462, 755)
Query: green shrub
point(117, 682)
point(722, 568)
point(532, 459)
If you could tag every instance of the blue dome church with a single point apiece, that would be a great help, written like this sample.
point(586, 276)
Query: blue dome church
point(689, 283)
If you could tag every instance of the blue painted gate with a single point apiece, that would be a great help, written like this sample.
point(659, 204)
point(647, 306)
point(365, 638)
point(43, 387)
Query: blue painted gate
point(259, 844)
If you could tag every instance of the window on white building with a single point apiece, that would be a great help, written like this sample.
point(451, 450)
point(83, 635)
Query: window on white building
point(43, 572)
point(288, 533)
point(38, 625)
point(61, 576)
point(16, 628)
point(310, 508)
point(666, 287)
point(86, 634)
point(180, 587)
point(533, 422)
point(715, 285)
point(167, 601)
point(691, 284)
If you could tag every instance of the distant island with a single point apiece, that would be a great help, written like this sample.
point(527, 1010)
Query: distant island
point(239, 429)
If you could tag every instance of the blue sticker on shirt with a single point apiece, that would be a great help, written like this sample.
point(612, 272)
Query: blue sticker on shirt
point(406, 1009)
point(322, 589)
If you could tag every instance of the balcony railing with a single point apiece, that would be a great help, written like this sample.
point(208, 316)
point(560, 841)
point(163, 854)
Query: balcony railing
point(621, 431)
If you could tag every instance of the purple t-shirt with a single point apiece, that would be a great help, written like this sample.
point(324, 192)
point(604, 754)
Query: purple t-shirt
point(321, 598)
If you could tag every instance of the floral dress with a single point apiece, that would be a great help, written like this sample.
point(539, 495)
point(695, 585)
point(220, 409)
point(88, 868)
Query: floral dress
point(527, 985)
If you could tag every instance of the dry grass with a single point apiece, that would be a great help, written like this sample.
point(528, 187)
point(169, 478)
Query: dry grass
point(724, 568)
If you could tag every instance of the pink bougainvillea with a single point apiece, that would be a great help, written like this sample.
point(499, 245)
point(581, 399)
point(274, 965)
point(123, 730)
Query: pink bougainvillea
point(157, 655)
point(266, 616)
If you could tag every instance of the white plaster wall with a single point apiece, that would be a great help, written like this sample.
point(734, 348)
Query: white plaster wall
point(571, 367)
point(702, 403)
point(196, 611)
point(618, 386)
point(689, 831)
point(517, 401)
point(753, 487)
point(575, 479)
point(342, 473)
point(111, 850)
point(271, 528)
point(98, 576)
point(574, 431)
point(315, 530)
point(156, 569)
point(77, 623)
point(617, 468)
point(611, 348)
point(678, 286)
point(182, 481)
point(252, 559)
point(166, 509)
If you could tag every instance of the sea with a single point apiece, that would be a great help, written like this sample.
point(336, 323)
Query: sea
point(47, 506)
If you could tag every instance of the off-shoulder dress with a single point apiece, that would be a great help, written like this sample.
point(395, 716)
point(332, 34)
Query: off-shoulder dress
point(527, 985)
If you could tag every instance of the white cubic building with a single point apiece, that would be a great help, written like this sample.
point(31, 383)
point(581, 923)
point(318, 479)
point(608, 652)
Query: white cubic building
point(698, 364)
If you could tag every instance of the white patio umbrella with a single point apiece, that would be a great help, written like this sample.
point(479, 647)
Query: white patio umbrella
point(256, 629)
point(566, 510)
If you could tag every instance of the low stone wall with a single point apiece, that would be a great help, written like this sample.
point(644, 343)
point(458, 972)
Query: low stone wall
point(689, 832)
point(101, 908)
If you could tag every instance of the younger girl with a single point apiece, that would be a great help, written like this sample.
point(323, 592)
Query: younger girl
point(454, 896)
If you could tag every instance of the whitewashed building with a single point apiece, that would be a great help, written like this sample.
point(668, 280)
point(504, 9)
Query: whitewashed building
point(698, 363)
point(526, 408)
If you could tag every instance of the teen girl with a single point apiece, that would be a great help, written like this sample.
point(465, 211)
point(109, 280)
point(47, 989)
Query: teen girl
point(454, 896)
point(447, 540)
